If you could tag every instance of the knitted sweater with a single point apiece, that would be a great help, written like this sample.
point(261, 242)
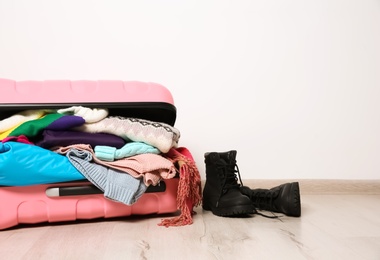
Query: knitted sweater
point(110, 153)
point(160, 135)
point(116, 185)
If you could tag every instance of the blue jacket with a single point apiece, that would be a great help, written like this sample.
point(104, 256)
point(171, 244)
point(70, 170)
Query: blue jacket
point(24, 164)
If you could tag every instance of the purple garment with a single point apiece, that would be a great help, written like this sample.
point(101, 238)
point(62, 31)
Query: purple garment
point(66, 122)
point(65, 138)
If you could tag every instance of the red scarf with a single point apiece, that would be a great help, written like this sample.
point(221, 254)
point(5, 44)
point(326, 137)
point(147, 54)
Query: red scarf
point(189, 194)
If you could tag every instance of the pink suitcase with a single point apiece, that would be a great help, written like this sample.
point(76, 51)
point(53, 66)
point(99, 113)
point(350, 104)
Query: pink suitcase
point(35, 204)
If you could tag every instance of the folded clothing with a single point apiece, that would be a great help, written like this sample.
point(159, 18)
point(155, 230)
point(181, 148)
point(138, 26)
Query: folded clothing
point(90, 115)
point(110, 153)
point(116, 185)
point(151, 167)
point(19, 118)
point(52, 138)
point(25, 164)
point(20, 139)
point(33, 128)
point(160, 135)
point(66, 122)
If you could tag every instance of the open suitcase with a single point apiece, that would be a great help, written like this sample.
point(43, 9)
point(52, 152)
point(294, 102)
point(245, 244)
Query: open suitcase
point(61, 201)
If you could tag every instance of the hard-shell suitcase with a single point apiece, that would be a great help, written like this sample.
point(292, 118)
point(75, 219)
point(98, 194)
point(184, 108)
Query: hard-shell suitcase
point(74, 200)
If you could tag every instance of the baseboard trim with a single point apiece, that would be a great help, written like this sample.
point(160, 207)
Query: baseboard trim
point(316, 186)
point(321, 186)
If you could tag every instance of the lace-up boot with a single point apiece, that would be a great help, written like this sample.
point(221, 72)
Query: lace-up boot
point(221, 193)
point(284, 198)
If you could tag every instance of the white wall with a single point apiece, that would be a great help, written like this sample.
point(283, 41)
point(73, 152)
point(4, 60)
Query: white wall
point(293, 86)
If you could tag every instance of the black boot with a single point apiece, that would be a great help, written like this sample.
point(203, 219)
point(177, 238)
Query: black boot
point(221, 193)
point(284, 198)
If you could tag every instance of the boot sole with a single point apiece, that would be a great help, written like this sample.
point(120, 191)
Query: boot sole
point(239, 210)
point(295, 199)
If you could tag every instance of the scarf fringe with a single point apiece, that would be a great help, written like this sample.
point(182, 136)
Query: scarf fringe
point(189, 194)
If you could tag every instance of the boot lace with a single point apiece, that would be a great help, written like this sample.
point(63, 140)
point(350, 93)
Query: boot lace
point(232, 180)
point(227, 172)
point(264, 199)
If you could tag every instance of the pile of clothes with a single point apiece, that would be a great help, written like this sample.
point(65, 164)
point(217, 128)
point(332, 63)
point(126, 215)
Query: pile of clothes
point(121, 156)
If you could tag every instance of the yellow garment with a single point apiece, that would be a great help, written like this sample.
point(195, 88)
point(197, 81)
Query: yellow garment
point(6, 133)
